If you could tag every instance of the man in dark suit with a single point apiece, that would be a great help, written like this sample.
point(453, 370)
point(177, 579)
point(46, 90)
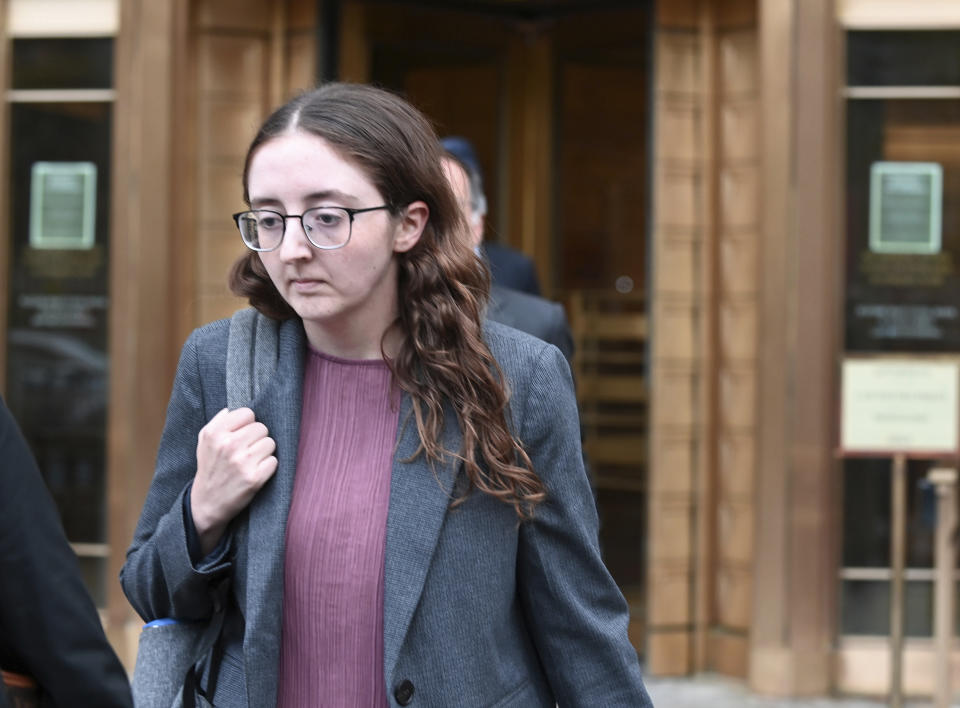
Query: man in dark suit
point(528, 313)
point(531, 314)
point(508, 267)
point(49, 627)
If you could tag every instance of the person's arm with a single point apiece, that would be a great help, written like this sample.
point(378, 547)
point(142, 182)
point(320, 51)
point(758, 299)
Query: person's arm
point(160, 576)
point(576, 614)
point(48, 623)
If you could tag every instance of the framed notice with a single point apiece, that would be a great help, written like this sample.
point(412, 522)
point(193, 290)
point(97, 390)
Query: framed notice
point(63, 202)
point(906, 207)
point(900, 405)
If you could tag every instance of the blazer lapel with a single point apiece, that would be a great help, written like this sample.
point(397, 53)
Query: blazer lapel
point(420, 495)
point(278, 406)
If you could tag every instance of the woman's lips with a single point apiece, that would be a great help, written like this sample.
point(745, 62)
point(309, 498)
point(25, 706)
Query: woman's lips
point(306, 284)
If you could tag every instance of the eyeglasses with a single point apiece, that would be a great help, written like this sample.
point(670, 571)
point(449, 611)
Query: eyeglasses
point(326, 227)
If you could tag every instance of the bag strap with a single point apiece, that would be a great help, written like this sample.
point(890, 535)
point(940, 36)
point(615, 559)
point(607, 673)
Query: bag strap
point(204, 647)
point(253, 348)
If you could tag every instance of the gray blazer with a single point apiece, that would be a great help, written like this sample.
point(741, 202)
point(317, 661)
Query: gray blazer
point(479, 610)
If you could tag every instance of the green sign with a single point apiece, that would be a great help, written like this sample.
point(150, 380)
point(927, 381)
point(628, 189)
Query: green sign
point(905, 207)
point(63, 203)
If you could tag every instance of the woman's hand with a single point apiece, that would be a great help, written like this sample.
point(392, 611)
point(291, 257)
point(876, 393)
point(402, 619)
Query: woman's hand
point(234, 460)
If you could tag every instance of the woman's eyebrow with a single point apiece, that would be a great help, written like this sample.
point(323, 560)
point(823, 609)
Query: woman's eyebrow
point(334, 196)
point(331, 195)
point(264, 202)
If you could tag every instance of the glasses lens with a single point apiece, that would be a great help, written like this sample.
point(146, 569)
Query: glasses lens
point(327, 227)
point(261, 230)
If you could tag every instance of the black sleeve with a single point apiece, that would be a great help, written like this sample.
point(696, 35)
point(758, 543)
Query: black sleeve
point(49, 627)
point(193, 538)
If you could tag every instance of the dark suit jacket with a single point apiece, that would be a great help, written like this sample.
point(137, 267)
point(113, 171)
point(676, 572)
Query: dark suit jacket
point(479, 610)
point(49, 627)
point(511, 268)
point(534, 315)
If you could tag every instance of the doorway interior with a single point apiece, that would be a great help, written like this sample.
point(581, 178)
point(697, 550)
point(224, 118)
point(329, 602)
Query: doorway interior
point(554, 96)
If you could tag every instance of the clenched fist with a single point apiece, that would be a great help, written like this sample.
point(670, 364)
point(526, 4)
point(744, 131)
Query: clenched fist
point(234, 460)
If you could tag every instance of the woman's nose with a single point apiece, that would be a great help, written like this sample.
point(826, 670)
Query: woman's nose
point(294, 245)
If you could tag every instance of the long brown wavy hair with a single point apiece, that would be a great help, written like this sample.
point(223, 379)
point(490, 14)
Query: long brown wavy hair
point(442, 286)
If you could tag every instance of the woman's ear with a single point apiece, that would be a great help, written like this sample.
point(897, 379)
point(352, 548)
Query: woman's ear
point(412, 222)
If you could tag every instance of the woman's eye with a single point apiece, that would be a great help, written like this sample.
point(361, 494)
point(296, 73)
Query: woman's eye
point(325, 218)
point(269, 221)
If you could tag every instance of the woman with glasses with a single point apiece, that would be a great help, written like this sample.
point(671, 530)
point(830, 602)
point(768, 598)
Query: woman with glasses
point(401, 511)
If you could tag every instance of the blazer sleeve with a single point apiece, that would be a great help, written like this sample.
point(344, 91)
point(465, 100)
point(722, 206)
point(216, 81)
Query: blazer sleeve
point(577, 616)
point(49, 627)
point(159, 577)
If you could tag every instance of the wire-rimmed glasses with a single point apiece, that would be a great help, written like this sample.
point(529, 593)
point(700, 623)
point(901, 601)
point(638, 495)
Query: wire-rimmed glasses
point(326, 227)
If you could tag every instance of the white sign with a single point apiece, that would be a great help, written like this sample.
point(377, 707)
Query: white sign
point(899, 405)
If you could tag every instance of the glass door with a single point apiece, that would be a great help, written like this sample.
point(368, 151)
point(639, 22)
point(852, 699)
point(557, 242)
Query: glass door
point(902, 295)
point(57, 368)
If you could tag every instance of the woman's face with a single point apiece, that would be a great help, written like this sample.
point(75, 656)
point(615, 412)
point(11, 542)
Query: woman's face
point(340, 293)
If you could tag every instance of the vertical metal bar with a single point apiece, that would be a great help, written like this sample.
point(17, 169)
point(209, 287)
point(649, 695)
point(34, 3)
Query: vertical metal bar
point(707, 566)
point(898, 501)
point(945, 480)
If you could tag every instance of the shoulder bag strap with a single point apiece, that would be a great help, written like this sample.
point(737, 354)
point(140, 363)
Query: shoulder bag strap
point(204, 648)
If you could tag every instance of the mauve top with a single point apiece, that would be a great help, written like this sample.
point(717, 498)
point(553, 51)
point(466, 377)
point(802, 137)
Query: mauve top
point(332, 648)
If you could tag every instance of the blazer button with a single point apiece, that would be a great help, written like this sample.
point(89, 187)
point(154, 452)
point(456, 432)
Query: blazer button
point(404, 692)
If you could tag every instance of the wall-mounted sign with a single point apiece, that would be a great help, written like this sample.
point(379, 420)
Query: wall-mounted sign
point(63, 202)
point(893, 405)
point(905, 207)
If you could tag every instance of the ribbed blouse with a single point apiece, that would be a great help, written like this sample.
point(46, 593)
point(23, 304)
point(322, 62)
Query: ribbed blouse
point(332, 648)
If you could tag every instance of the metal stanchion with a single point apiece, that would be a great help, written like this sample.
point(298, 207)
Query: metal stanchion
point(945, 481)
point(898, 547)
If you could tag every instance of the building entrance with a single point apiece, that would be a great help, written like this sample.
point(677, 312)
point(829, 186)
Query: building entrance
point(554, 97)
